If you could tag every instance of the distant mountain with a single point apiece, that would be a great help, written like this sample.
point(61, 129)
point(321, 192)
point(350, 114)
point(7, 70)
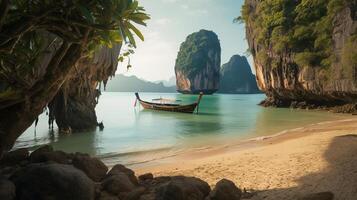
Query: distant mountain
point(121, 83)
point(168, 83)
point(237, 77)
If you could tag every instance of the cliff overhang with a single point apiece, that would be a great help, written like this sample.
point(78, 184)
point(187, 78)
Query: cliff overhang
point(319, 70)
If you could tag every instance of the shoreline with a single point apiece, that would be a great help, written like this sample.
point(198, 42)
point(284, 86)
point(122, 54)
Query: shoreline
point(275, 165)
point(165, 155)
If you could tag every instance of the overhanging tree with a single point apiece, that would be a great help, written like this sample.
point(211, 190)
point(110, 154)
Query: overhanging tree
point(43, 43)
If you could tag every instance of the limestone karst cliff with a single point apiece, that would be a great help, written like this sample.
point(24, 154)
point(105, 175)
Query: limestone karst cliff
point(237, 77)
point(73, 107)
point(304, 50)
point(198, 63)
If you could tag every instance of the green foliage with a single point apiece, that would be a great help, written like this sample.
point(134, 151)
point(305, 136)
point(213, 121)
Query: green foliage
point(302, 27)
point(263, 58)
point(349, 56)
point(307, 58)
point(193, 54)
point(31, 29)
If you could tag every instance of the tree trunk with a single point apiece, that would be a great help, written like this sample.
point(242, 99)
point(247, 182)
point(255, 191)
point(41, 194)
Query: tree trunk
point(15, 119)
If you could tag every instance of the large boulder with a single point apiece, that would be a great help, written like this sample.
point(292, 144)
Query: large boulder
point(183, 188)
point(225, 190)
point(146, 177)
point(45, 154)
point(117, 184)
point(93, 167)
point(119, 169)
point(53, 181)
point(7, 189)
point(237, 77)
point(198, 63)
point(37, 154)
point(106, 196)
point(15, 157)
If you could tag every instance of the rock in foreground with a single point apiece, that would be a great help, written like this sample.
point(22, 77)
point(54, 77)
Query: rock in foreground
point(42, 175)
point(52, 181)
point(225, 190)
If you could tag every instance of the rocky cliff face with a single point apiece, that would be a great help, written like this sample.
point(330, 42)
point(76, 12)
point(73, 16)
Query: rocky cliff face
point(281, 75)
point(237, 77)
point(198, 63)
point(73, 108)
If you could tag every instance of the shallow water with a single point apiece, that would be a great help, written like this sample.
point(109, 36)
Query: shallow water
point(130, 132)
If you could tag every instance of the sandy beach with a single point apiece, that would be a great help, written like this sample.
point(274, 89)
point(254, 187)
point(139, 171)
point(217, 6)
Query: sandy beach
point(315, 158)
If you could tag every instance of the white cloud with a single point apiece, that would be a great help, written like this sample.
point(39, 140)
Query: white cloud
point(153, 60)
point(169, 1)
point(162, 21)
point(184, 6)
point(198, 12)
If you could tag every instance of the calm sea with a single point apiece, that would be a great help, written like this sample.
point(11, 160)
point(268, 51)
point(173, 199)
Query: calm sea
point(131, 131)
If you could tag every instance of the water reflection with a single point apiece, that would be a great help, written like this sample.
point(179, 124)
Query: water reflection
point(129, 129)
point(76, 142)
point(207, 122)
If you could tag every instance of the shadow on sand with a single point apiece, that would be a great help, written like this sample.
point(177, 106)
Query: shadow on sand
point(339, 177)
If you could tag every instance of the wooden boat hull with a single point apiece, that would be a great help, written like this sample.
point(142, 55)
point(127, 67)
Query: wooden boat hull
point(184, 109)
point(190, 108)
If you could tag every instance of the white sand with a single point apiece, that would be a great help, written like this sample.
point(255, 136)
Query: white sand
point(316, 158)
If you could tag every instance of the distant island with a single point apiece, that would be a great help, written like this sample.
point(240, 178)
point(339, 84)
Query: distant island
point(198, 63)
point(122, 83)
point(168, 83)
point(237, 77)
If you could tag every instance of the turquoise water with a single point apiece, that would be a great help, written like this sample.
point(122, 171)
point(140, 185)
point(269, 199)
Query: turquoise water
point(131, 131)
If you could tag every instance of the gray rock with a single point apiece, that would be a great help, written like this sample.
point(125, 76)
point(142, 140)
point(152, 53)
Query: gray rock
point(118, 183)
point(145, 177)
point(93, 167)
point(7, 189)
point(106, 196)
point(319, 196)
point(15, 157)
point(53, 181)
point(225, 190)
point(118, 169)
point(38, 152)
point(8, 171)
point(47, 156)
point(136, 194)
point(183, 188)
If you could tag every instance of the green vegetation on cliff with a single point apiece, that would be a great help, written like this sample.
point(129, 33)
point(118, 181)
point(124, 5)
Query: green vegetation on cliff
point(195, 52)
point(303, 28)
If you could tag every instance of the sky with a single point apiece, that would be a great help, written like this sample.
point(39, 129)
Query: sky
point(171, 22)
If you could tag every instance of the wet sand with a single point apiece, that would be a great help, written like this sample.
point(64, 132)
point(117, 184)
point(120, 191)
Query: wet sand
point(315, 158)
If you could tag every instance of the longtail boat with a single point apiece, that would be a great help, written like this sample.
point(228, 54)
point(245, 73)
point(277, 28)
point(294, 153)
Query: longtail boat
point(172, 107)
